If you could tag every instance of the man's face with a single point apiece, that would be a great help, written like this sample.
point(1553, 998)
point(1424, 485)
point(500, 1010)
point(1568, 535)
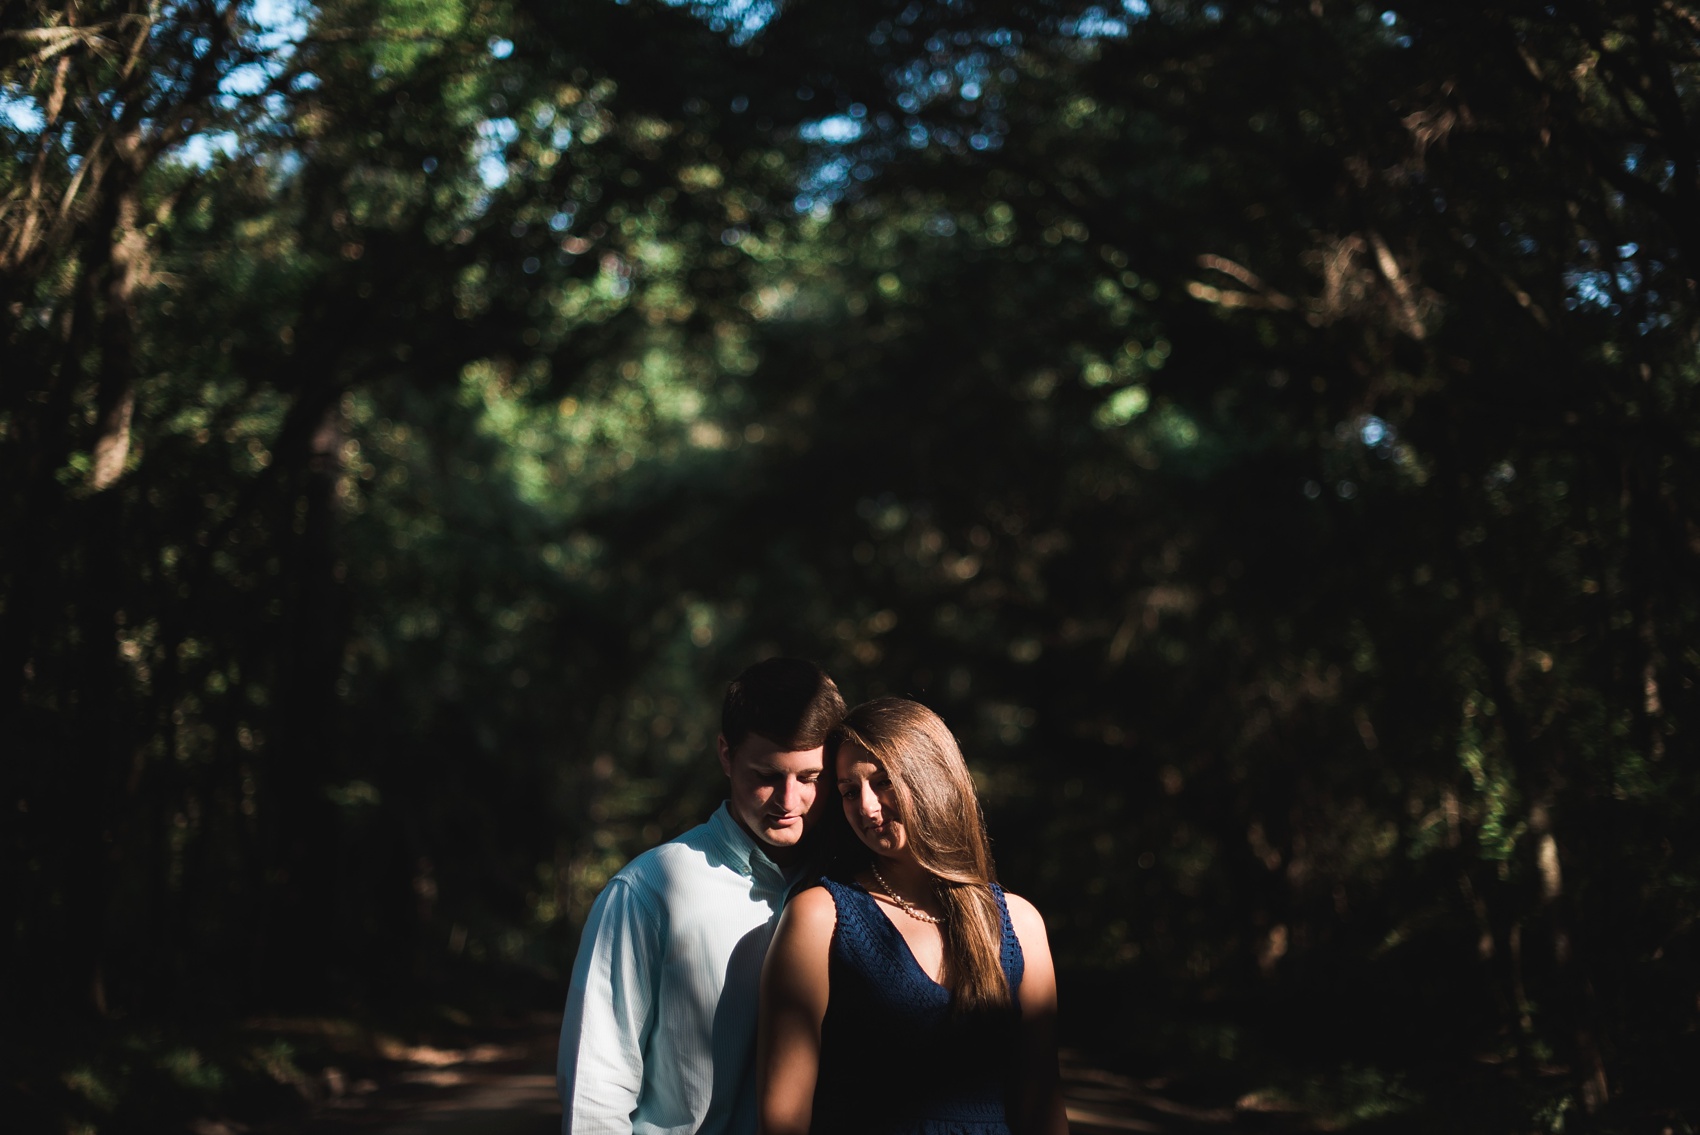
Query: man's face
point(773, 790)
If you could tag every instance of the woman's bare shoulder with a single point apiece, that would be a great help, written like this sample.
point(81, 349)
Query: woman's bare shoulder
point(801, 942)
point(812, 909)
point(1025, 917)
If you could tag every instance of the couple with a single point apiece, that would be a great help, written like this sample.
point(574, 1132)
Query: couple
point(905, 993)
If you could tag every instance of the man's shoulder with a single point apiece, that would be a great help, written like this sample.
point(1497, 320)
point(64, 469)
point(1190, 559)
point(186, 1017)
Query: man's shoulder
point(684, 854)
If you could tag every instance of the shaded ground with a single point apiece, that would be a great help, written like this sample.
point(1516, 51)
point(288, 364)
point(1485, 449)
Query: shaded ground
point(1102, 1103)
point(500, 1081)
point(497, 1079)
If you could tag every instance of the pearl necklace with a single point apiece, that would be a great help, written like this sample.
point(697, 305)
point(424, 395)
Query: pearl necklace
point(904, 904)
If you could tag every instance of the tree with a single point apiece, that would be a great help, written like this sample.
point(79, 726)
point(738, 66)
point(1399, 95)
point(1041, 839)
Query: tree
point(1264, 432)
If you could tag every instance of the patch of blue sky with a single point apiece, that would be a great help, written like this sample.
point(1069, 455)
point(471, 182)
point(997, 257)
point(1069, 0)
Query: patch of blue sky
point(1635, 160)
point(920, 82)
point(248, 79)
point(495, 135)
point(836, 130)
point(1390, 22)
point(1097, 22)
point(202, 150)
point(287, 164)
point(742, 20)
point(823, 185)
point(1588, 289)
point(493, 170)
point(1652, 323)
point(955, 71)
point(272, 30)
point(1608, 287)
point(848, 150)
point(20, 112)
point(279, 25)
point(500, 131)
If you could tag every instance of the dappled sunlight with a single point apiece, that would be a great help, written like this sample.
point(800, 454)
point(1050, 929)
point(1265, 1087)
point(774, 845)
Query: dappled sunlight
point(1266, 434)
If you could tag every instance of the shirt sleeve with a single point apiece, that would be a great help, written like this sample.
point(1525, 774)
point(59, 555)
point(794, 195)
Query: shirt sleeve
point(599, 1069)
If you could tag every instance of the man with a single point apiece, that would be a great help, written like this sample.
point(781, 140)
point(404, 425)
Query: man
point(658, 1037)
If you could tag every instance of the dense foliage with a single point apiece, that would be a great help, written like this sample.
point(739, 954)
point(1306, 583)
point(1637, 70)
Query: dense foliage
point(1266, 432)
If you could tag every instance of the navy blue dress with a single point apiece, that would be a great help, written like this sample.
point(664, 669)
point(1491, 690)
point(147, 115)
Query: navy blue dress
point(894, 1060)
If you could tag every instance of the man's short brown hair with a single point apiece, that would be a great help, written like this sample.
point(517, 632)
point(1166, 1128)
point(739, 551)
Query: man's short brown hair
point(790, 701)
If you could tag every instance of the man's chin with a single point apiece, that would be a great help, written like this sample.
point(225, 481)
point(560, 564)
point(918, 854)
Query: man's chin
point(784, 835)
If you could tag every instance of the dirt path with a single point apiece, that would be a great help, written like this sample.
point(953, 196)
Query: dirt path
point(506, 1086)
point(1105, 1103)
point(503, 1084)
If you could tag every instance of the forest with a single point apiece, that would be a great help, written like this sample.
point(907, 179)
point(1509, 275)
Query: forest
point(1267, 432)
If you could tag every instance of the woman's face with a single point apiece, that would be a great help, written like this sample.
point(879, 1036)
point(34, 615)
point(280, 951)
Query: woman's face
point(870, 804)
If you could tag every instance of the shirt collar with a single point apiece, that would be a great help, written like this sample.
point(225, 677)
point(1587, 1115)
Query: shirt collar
point(742, 853)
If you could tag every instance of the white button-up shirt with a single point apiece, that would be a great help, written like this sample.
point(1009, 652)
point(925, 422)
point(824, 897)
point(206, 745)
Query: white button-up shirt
point(659, 1032)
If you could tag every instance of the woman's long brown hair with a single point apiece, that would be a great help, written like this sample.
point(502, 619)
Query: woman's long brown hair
point(947, 834)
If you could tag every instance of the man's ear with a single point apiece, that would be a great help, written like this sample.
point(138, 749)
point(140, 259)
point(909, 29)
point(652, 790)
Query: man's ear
point(725, 753)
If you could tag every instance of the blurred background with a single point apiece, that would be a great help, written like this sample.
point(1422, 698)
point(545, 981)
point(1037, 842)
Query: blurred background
point(1266, 432)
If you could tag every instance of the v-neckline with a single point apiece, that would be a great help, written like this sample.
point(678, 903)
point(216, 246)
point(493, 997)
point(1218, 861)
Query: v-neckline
point(902, 942)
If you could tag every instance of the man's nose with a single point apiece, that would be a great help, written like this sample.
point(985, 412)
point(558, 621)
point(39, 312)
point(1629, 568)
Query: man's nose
point(793, 794)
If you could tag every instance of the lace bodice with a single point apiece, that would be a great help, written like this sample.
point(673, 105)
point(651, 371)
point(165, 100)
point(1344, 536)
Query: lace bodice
point(894, 1059)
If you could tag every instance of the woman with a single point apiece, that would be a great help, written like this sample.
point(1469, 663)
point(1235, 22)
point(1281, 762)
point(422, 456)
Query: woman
point(914, 997)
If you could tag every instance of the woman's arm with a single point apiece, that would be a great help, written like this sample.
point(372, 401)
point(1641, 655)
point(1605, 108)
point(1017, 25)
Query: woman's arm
point(1038, 1100)
point(793, 1004)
